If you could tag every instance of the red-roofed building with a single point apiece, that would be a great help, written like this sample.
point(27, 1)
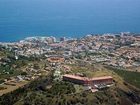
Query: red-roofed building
point(102, 80)
point(76, 79)
point(87, 81)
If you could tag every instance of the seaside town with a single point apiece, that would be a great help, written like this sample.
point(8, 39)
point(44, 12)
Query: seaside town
point(80, 61)
point(120, 50)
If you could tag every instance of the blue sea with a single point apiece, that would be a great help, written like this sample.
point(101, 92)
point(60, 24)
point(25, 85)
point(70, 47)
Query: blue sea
point(70, 18)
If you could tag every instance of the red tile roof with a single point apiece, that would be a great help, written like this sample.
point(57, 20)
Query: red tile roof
point(85, 78)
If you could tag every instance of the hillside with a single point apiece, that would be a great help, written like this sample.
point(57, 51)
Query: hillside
point(123, 92)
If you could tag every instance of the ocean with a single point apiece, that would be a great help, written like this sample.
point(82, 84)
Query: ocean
point(70, 18)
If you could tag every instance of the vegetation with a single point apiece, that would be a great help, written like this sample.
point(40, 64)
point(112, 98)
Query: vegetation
point(13, 97)
point(10, 66)
point(45, 91)
point(129, 76)
point(105, 97)
point(65, 93)
point(36, 94)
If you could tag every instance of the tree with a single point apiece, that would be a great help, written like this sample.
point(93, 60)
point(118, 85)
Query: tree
point(36, 66)
point(23, 73)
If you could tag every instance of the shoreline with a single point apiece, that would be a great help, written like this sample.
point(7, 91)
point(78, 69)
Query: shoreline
point(14, 40)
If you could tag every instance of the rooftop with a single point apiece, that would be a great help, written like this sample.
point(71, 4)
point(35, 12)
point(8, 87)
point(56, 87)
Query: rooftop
point(85, 78)
point(75, 77)
point(101, 78)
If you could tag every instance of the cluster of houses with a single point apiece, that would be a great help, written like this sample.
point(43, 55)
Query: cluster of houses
point(121, 46)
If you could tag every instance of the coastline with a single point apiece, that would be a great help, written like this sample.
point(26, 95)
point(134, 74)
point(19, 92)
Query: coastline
point(18, 38)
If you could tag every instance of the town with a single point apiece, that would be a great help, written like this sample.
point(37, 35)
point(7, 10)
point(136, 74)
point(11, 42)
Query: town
point(81, 61)
point(120, 50)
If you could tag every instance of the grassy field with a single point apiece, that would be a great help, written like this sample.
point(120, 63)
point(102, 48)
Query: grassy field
point(129, 76)
point(9, 88)
point(87, 70)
